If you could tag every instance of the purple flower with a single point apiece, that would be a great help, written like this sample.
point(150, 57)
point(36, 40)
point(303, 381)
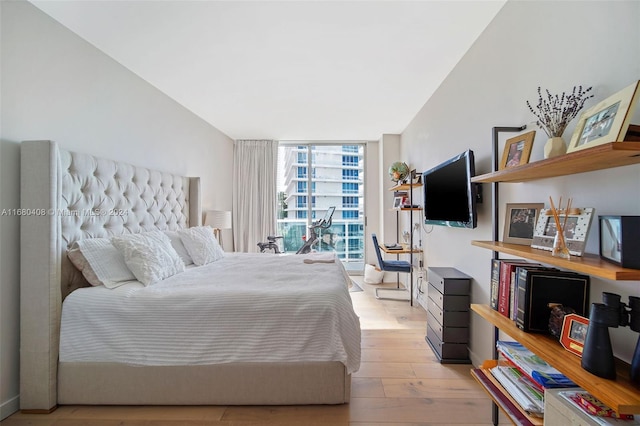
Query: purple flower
point(554, 112)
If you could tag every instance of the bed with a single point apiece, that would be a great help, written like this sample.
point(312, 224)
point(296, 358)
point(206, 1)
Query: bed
point(69, 197)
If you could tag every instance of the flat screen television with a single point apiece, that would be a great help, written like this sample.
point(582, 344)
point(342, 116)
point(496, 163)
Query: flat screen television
point(449, 196)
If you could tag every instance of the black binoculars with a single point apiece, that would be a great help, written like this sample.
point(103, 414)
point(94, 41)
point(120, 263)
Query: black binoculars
point(597, 354)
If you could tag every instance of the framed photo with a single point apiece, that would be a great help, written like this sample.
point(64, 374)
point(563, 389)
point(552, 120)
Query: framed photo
point(619, 241)
point(606, 121)
point(574, 331)
point(520, 221)
point(517, 150)
point(576, 229)
point(398, 202)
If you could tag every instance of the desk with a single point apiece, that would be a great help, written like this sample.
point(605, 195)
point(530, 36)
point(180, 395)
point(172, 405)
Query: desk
point(398, 289)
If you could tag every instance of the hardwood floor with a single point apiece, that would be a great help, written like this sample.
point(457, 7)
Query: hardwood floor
point(399, 383)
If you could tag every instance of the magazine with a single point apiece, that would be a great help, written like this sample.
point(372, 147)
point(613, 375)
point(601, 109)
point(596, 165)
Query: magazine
point(533, 366)
point(521, 389)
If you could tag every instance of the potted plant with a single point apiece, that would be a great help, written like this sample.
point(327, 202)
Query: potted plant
point(554, 112)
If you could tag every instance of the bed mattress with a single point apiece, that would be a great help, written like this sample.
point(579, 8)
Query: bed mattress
point(242, 308)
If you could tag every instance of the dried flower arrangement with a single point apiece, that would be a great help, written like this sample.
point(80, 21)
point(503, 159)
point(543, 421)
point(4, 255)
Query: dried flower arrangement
point(556, 111)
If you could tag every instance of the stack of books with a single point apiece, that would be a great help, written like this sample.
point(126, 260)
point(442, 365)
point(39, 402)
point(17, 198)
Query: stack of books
point(596, 410)
point(525, 377)
point(522, 292)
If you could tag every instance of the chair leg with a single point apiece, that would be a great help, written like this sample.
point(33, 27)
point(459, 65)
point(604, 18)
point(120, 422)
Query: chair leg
point(398, 293)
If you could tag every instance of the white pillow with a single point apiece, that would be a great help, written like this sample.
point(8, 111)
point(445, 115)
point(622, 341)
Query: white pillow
point(149, 255)
point(100, 262)
point(176, 243)
point(201, 244)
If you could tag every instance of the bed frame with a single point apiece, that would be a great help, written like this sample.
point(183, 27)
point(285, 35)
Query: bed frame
point(67, 196)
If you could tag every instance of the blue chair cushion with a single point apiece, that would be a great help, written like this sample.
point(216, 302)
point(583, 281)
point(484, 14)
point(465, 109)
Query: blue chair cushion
point(396, 266)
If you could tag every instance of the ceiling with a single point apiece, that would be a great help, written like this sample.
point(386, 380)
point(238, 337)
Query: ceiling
point(287, 70)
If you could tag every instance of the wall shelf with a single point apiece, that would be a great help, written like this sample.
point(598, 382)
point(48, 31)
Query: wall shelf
point(406, 186)
point(606, 156)
point(587, 264)
point(619, 394)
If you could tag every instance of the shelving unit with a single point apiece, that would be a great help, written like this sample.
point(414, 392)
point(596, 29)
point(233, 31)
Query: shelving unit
point(409, 187)
point(620, 394)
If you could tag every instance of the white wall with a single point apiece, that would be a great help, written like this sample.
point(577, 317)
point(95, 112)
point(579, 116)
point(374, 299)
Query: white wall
point(56, 86)
point(555, 45)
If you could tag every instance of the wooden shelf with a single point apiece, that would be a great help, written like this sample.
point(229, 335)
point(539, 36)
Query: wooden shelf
point(620, 394)
point(405, 187)
point(606, 156)
point(587, 264)
point(502, 398)
point(410, 208)
point(402, 251)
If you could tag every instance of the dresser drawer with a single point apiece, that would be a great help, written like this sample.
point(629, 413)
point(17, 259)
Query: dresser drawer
point(448, 334)
point(445, 350)
point(447, 318)
point(449, 280)
point(448, 302)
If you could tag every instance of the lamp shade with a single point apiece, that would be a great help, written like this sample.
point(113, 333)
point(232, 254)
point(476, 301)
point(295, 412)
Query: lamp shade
point(218, 219)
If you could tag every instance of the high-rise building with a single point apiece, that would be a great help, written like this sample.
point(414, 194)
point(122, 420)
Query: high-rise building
point(314, 178)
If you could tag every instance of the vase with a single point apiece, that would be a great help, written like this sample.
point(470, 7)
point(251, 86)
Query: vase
point(560, 248)
point(555, 146)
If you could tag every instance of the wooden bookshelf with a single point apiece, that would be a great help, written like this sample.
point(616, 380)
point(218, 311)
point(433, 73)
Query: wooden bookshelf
point(606, 156)
point(501, 397)
point(620, 394)
point(587, 264)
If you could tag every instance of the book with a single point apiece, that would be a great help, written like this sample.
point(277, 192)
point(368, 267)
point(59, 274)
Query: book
point(573, 399)
point(538, 287)
point(519, 386)
point(495, 283)
point(533, 366)
point(595, 407)
point(504, 289)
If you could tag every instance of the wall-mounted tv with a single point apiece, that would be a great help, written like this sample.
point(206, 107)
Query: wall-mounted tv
point(449, 196)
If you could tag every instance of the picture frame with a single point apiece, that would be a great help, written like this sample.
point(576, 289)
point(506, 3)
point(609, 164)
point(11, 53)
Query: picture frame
point(520, 222)
point(397, 202)
point(607, 121)
point(578, 222)
point(574, 331)
point(619, 243)
point(517, 150)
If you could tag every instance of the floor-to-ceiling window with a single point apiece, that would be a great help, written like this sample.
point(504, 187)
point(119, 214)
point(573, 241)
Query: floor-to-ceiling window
point(312, 178)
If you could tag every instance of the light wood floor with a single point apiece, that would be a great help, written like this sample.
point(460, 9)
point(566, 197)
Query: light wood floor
point(399, 383)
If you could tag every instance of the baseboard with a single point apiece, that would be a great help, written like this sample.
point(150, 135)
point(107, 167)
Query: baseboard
point(9, 407)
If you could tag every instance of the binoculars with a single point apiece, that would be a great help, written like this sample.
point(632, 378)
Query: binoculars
point(597, 354)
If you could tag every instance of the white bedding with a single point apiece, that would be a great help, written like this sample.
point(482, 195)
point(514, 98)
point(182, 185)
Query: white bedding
point(242, 308)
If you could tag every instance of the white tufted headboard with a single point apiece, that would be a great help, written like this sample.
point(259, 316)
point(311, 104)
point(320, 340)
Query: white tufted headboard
point(65, 197)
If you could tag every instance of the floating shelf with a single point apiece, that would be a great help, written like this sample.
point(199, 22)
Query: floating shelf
point(606, 156)
point(406, 186)
point(589, 264)
point(620, 394)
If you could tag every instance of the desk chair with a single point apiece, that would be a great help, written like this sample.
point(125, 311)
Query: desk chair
point(391, 266)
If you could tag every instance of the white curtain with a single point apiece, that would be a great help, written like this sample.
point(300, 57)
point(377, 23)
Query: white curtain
point(254, 192)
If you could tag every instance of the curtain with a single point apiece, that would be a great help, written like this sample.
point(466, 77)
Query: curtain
point(254, 192)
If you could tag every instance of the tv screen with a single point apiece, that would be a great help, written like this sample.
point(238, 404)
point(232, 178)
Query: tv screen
point(449, 195)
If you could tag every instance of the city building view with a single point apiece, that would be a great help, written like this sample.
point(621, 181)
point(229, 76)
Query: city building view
point(313, 178)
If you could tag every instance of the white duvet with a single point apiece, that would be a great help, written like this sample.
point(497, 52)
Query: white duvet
point(242, 308)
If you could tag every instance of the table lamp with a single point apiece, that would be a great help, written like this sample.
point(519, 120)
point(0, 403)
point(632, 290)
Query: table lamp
point(218, 220)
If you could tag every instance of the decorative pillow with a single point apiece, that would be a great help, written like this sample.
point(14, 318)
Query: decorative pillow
point(100, 262)
point(149, 255)
point(201, 244)
point(177, 245)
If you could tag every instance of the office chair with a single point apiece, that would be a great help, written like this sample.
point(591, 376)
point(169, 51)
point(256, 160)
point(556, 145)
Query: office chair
point(390, 266)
